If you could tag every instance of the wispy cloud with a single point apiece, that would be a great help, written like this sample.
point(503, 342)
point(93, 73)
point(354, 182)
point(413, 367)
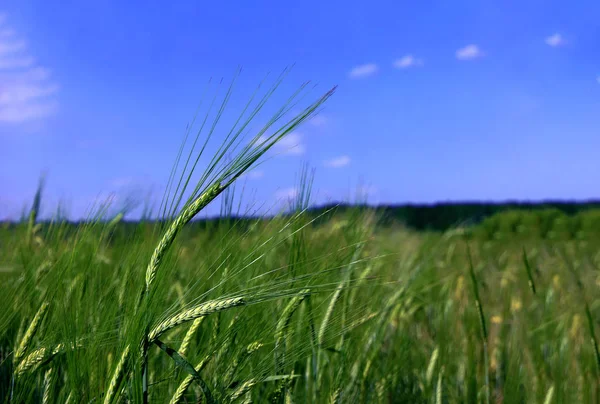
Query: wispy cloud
point(26, 89)
point(19, 62)
point(555, 40)
point(254, 174)
point(408, 61)
point(338, 162)
point(469, 52)
point(318, 120)
point(6, 32)
point(291, 144)
point(363, 71)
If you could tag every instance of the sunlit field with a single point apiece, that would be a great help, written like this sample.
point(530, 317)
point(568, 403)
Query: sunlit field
point(287, 310)
point(302, 307)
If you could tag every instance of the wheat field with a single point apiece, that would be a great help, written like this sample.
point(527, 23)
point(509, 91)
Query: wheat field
point(289, 309)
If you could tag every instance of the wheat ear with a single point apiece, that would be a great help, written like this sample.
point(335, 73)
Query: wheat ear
point(204, 309)
point(243, 389)
point(48, 378)
point(34, 359)
point(187, 382)
point(189, 335)
point(184, 217)
point(37, 319)
point(116, 378)
point(283, 325)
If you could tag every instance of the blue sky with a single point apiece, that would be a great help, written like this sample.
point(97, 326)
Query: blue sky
point(437, 101)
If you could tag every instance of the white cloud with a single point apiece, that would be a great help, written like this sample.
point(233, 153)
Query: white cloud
point(287, 193)
point(26, 112)
point(338, 162)
point(318, 120)
point(254, 174)
point(290, 144)
point(26, 90)
point(408, 61)
point(6, 32)
point(469, 52)
point(16, 62)
point(363, 71)
point(11, 46)
point(555, 40)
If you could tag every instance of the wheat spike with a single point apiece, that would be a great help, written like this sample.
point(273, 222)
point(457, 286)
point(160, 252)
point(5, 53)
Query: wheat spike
point(116, 378)
point(187, 381)
point(37, 319)
point(240, 391)
point(34, 359)
point(184, 217)
point(204, 309)
point(185, 344)
point(48, 378)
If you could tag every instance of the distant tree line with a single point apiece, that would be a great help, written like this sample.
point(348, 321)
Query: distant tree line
point(486, 220)
point(509, 218)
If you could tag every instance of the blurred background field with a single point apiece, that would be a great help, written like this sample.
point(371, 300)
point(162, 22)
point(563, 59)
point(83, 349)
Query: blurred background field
point(503, 310)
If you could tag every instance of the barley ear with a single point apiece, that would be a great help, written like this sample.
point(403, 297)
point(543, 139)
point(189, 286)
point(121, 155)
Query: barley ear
point(431, 366)
point(201, 310)
point(36, 358)
point(184, 217)
point(185, 344)
point(37, 319)
point(116, 378)
point(187, 382)
point(283, 325)
point(549, 395)
point(335, 397)
point(242, 389)
point(48, 379)
point(439, 392)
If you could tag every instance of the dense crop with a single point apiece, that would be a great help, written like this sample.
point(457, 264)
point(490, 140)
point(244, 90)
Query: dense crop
point(291, 309)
